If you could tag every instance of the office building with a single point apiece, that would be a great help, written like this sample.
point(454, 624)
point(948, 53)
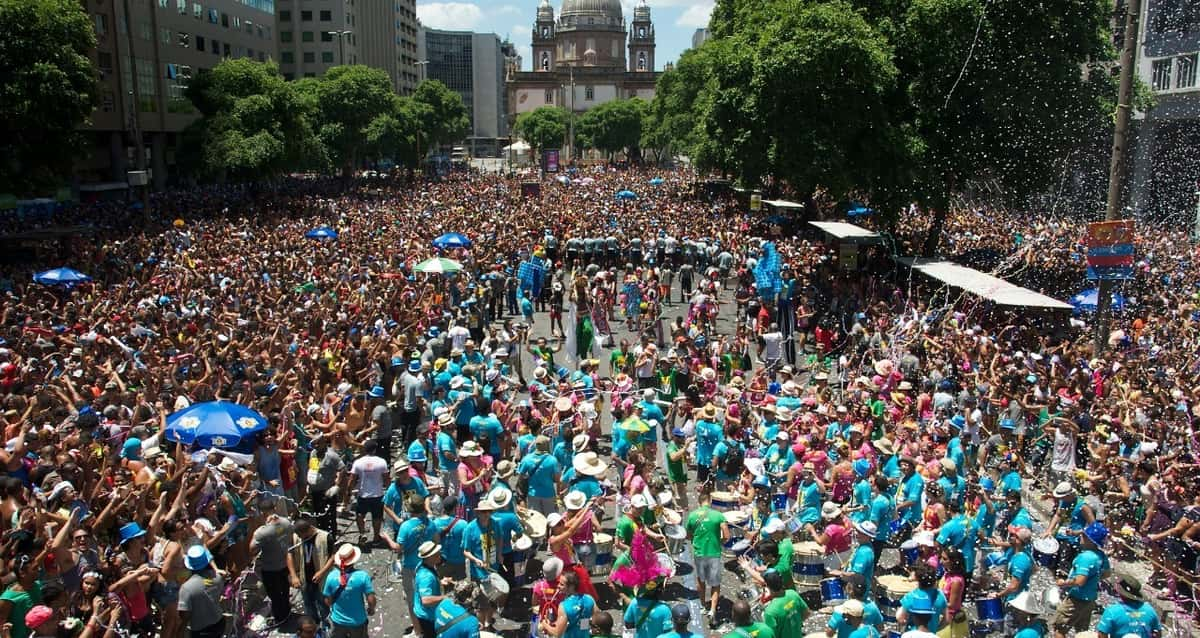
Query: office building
point(170, 41)
point(585, 57)
point(474, 66)
point(314, 36)
point(1165, 175)
point(700, 37)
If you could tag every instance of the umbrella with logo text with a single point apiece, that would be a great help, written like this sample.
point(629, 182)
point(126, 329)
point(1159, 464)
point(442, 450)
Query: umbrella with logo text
point(452, 240)
point(220, 424)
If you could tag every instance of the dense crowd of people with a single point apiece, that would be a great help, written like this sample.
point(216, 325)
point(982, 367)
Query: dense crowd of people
point(609, 388)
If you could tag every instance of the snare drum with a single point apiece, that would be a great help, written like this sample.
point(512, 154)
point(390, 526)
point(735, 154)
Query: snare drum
point(676, 535)
point(910, 553)
point(494, 587)
point(889, 589)
point(833, 591)
point(898, 532)
point(671, 517)
point(808, 566)
point(794, 525)
point(522, 551)
point(990, 609)
point(604, 554)
point(665, 561)
point(1045, 552)
point(779, 502)
point(724, 501)
point(736, 518)
point(740, 548)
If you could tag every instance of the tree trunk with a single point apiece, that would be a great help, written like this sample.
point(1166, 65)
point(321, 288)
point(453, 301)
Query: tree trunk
point(941, 207)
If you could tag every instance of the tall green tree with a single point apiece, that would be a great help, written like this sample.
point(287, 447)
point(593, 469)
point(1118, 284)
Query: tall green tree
point(614, 126)
point(670, 125)
point(253, 123)
point(47, 90)
point(350, 99)
point(394, 134)
point(544, 128)
point(444, 116)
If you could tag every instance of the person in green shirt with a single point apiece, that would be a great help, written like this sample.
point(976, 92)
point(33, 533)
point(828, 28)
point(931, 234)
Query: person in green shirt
point(21, 595)
point(777, 531)
point(677, 467)
point(707, 529)
point(635, 518)
point(744, 627)
point(624, 594)
point(786, 612)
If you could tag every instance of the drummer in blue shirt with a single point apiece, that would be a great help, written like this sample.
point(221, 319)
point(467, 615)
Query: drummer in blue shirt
point(925, 595)
point(452, 619)
point(912, 487)
point(1081, 586)
point(1019, 565)
point(862, 563)
point(1132, 615)
point(1071, 516)
point(1025, 611)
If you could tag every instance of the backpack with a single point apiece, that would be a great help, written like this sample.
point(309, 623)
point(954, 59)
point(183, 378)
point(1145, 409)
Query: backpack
point(734, 461)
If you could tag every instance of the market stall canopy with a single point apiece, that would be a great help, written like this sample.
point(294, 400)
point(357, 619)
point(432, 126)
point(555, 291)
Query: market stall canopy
point(845, 232)
point(780, 203)
point(983, 285)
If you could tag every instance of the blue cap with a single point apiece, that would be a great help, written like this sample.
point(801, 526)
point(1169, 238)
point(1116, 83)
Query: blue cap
point(130, 531)
point(416, 455)
point(376, 392)
point(958, 421)
point(987, 483)
point(433, 331)
point(861, 467)
point(1097, 533)
point(197, 558)
point(1031, 378)
point(397, 362)
point(414, 366)
point(132, 449)
point(678, 432)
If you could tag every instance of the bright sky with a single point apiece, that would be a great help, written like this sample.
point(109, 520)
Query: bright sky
point(674, 21)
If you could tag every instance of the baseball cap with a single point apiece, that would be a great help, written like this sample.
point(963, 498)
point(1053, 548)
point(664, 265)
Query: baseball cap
point(680, 613)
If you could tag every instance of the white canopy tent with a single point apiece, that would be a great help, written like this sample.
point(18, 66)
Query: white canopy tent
point(849, 233)
point(983, 285)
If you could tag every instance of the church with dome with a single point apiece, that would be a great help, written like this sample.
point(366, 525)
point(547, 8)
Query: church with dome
point(585, 56)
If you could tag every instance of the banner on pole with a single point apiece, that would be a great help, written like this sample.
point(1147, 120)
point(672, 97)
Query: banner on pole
point(1110, 250)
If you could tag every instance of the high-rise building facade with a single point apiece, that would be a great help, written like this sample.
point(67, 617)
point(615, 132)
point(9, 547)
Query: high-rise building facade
point(474, 66)
point(316, 35)
point(1166, 176)
point(146, 53)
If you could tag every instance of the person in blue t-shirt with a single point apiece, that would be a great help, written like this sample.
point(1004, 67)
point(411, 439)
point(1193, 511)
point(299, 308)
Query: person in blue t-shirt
point(647, 616)
point(349, 592)
point(413, 532)
point(862, 562)
point(912, 487)
point(1025, 611)
point(427, 594)
point(1082, 584)
point(1019, 565)
point(925, 595)
point(574, 616)
point(485, 426)
point(447, 451)
point(540, 470)
point(849, 620)
point(1131, 615)
point(452, 619)
point(882, 511)
point(450, 529)
point(708, 433)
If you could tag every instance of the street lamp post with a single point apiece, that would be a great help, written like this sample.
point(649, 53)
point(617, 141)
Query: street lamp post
point(341, 36)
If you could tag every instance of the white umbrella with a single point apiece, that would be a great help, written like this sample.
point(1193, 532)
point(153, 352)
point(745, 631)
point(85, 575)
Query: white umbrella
point(438, 265)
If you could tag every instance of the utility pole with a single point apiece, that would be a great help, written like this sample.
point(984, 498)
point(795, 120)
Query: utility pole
point(135, 114)
point(341, 36)
point(571, 116)
point(1116, 169)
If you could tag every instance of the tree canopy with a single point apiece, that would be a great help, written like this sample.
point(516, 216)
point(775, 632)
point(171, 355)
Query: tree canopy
point(891, 100)
point(544, 128)
point(612, 127)
point(47, 90)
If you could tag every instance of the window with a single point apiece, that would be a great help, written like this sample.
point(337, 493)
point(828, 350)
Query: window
point(589, 93)
point(197, 11)
point(107, 102)
point(163, 4)
point(183, 39)
point(327, 57)
point(641, 63)
point(214, 16)
point(549, 96)
point(310, 57)
point(545, 63)
point(1161, 75)
point(182, 6)
point(285, 16)
point(289, 76)
point(145, 31)
point(309, 74)
point(225, 20)
point(225, 48)
point(306, 36)
point(146, 83)
point(164, 36)
point(326, 16)
point(215, 47)
point(306, 16)
point(104, 61)
point(237, 22)
point(326, 36)
point(287, 57)
point(101, 23)
point(200, 43)
point(285, 36)
point(1185, 72)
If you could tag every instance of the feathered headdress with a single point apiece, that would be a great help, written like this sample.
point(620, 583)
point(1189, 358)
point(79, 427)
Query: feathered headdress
point(645, 572)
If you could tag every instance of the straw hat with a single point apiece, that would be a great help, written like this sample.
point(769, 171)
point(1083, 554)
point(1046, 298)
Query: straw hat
point(486, 505)
point(500, 497)
point(709, 411)
point(884, 367)
point(851, 608)
point(348, 554)
point(470, 448)
point(580, 442)
point(589, 464)
point(505, 469)
point(562, 404)
point(830, 510)
point(575, 500)
point(428, 549)
point(1025, 602)
point(783, 415)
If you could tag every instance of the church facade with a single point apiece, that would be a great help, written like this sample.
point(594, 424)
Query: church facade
point(586, 56)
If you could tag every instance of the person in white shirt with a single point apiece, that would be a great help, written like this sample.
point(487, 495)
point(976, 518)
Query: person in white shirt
point(369, 474)
point(458, 336)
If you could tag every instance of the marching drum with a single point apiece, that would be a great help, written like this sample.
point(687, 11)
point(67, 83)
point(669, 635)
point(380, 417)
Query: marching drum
point(898, 532)
point(676, 535)
point(910, 553)
point(889, 590)
point(521, 547)
point(1045, 552)
point(724, 501)
point(604, 554)
point(833, 591)
point(808, 566)
point(535, 524)
point(664, 560)
point(990, 610)
point(494, 587)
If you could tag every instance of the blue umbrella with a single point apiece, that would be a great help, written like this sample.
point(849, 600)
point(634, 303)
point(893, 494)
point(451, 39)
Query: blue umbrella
point(324, 232)
point(61, 277)
point(627, 194)
point(656, 181)
point(220, 424)
point(452, 240)
point(859, 210)
point(1086, 301)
